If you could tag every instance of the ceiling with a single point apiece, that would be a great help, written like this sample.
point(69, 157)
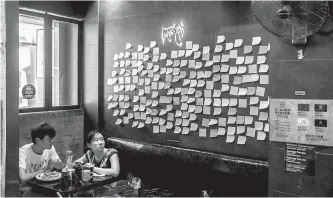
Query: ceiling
point(80, 8)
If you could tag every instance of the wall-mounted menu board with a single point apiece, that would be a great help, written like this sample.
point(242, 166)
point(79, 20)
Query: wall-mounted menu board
point(204, 97)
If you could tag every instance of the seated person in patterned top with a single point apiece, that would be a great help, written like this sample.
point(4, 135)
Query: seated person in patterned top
point(39, 156)
point(106, 160)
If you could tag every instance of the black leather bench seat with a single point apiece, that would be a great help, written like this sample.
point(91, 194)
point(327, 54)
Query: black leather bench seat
point(173, 171)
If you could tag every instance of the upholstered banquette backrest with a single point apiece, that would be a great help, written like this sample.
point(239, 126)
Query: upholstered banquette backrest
point(187, 172)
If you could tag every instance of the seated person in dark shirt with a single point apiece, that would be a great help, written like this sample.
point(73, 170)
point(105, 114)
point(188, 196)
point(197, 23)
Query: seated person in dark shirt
point(106, 160)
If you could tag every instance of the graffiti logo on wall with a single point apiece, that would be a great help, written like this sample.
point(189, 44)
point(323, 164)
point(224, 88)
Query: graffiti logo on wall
point(28, 91)
point(175, 30)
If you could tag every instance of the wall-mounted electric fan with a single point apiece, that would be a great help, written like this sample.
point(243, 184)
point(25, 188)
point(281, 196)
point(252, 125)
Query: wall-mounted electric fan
point(293, 20)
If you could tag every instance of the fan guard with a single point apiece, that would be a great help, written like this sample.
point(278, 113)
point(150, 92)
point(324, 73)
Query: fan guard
point(291, 19)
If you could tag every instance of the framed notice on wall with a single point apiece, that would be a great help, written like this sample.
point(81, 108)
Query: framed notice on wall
point(300, 159)
point(302, 121)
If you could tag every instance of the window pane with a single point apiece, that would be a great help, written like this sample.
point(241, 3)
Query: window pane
point(64, 64)
point(31, 62)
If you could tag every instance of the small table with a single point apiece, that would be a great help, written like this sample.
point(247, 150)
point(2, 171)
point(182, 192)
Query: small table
point(98, 186)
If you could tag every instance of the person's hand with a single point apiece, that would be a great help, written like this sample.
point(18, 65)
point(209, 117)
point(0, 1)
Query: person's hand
point(57, 163)
point(40, 171)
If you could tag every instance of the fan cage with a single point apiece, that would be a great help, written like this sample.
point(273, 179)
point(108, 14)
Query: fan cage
point(306, 17)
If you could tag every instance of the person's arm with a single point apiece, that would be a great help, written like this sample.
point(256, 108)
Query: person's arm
point(115, 167)
point(25, 177)
point(82, 159)
point(55, 159)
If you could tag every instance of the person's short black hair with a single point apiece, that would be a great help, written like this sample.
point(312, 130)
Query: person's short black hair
point(92, 134)
point(41, 130)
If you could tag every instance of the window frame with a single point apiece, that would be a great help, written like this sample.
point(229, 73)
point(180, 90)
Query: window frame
point(48, 52)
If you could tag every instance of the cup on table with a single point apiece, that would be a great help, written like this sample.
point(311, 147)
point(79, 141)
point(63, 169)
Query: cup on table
point(86, 175)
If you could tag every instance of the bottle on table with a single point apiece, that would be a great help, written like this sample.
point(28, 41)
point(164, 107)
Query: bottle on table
point(64, 178)
point(69, 159)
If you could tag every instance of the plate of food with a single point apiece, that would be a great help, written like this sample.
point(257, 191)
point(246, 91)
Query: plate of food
point(49, 176)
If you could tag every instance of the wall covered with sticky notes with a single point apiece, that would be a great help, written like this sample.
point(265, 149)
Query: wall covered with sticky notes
point(202, 85)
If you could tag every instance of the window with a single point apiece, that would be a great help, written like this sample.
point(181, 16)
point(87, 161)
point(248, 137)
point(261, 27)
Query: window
point(49, 59)
point(64, 64)
point(31, 62)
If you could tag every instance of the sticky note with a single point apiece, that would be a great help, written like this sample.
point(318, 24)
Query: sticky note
point(261, 135)
point(256, 40)
point(260, 91)
point(128, 45)
point(263, 104)
point(247, 49)
point(263, 116)
point(202, 132)
point(220, 39)
point(233, 54)
point(231, 130)
point(242, 103)
point(213, 132)
point(241, 140)
point(263, 68)
point(188, 44)
point(230, 138)
point(228, 46)
point(258, 125)
point(232, 111)
point(238, 42)
point(261, 59)
point(222, 122)
point(218, 48)
point(263, 49)
point(248, 120)
point(221, 131)
point(254, 110)
point(251, 132)
point(233, 90)
point(264, 79)
point(194, 127)
point(231, 119)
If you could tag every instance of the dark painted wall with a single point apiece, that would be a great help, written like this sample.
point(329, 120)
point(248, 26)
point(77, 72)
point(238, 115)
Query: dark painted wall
point(313, 74)
point(136, 22)
point(141, 22)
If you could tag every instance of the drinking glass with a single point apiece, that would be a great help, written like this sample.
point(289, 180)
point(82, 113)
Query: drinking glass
point(86, 175)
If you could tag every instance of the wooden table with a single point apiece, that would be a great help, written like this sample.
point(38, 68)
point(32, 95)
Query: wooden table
point(98, 187)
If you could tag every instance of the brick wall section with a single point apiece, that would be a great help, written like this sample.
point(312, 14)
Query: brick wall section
point(68, 126)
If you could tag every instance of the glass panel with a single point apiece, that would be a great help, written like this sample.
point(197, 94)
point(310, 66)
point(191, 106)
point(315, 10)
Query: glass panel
point(64, 64)
point(31, 62)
